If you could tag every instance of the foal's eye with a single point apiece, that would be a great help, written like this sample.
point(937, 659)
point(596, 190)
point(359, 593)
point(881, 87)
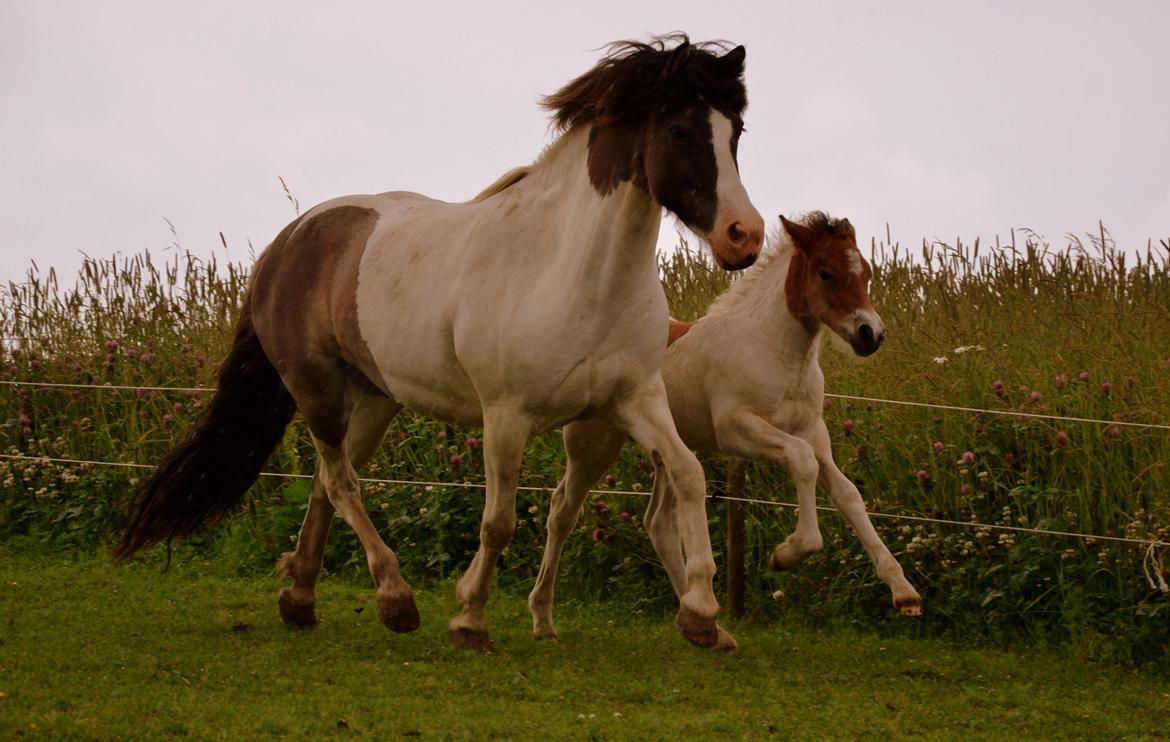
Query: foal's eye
point(825, 275)
point(677, 133)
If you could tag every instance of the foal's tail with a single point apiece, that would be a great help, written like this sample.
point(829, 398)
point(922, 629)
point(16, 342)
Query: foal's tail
point(205, 476)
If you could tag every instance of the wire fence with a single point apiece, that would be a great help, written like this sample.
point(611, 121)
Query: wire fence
point(850, 397)
point(635, 493)
point(1153, 574)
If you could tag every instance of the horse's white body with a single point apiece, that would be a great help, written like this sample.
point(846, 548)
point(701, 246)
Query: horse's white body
point(744, 381)
point(530, 307)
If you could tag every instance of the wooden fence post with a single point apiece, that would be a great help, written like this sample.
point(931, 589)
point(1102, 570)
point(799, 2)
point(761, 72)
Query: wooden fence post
point(735, 536)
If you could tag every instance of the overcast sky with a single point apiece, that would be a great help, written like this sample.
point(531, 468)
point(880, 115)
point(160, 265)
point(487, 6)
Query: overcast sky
point(943, 119)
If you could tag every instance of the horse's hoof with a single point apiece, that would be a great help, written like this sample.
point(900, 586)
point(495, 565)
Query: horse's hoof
point(546, 635)
point(702, 632)
point(476, 641)
point(398, 612)
point(726, 643)
point(294, 612)
point(785, 558)
point(909, 607)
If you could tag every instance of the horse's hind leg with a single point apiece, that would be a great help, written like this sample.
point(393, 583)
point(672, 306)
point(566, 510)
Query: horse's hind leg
point(591, 447)
point(367, 426)
point(329, 397)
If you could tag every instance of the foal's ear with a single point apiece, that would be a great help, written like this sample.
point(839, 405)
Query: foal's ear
point(848, 227)
point(801, 235)
point(732, 61)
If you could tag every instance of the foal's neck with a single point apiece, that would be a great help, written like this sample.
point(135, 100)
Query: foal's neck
point(792, 337)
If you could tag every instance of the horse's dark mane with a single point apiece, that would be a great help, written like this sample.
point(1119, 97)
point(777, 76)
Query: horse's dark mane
point(638, 78)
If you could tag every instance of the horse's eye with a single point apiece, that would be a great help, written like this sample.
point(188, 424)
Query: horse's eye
point(677, 132)
point(826, 276)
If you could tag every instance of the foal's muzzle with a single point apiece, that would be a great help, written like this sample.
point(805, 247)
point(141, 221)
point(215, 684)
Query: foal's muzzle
point(865, 340)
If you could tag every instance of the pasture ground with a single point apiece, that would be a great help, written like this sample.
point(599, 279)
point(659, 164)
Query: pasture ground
point(90, 650)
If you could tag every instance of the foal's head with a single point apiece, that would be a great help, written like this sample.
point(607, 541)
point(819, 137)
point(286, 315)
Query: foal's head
point(668, 120)
point(828, 282)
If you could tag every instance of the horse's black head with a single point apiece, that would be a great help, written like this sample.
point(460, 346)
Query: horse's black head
point(668, 119)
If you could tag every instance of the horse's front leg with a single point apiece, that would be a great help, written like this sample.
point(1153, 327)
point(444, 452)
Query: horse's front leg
point(591, 447)
point(848, 501)
point(646, 417)
point(662, 525)
point(749, 436)
point(504, 436)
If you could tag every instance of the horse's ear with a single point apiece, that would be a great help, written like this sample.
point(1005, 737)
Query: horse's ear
point(732, 61)
point(800, 234)
point(848, 227)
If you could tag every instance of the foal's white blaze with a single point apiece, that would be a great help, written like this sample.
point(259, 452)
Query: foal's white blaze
point(855, 265)
point(864, 317)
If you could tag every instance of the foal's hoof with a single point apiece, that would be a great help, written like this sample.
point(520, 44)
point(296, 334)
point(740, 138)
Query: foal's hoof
point(785, 557)
point(909, 607)
point(294, 612)
point(702, 632)
point(726, 643)
point(476, 641)
point(398, 612)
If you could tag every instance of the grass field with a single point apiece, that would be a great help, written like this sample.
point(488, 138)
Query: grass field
point(91, 651)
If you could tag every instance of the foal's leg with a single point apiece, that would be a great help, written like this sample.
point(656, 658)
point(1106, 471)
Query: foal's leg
point(646, 417)
point(749, 436)
point(848, 501)
point(504, 436)
point(367, 426)
point(591, 447)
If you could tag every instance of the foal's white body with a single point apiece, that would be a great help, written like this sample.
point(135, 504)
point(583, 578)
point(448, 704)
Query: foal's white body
point(744, 381)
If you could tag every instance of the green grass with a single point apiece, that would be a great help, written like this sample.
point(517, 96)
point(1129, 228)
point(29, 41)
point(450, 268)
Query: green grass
point(89, 650)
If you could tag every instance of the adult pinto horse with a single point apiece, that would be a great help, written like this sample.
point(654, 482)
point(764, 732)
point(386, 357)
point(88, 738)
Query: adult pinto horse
point(745, 381)
point(535, 304)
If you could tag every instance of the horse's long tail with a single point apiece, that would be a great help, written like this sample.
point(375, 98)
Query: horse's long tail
point(205, 476)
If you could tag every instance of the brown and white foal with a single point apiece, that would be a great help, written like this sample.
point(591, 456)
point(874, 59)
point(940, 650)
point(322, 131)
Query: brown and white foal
point(745, 381)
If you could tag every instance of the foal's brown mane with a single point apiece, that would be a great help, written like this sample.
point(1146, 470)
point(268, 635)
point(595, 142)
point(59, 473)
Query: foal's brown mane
point(637, 78)
point(823, 224)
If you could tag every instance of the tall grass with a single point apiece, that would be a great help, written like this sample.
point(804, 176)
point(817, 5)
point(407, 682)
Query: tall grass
point(1082, 331)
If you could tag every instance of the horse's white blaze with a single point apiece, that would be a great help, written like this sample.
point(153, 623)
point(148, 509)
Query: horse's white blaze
point(732, 196)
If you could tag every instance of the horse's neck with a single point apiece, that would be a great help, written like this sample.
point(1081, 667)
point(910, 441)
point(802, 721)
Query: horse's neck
point(598, 244)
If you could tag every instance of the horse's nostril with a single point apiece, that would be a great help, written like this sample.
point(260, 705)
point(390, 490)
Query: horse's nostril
point(735, 233)
point(865, 332)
